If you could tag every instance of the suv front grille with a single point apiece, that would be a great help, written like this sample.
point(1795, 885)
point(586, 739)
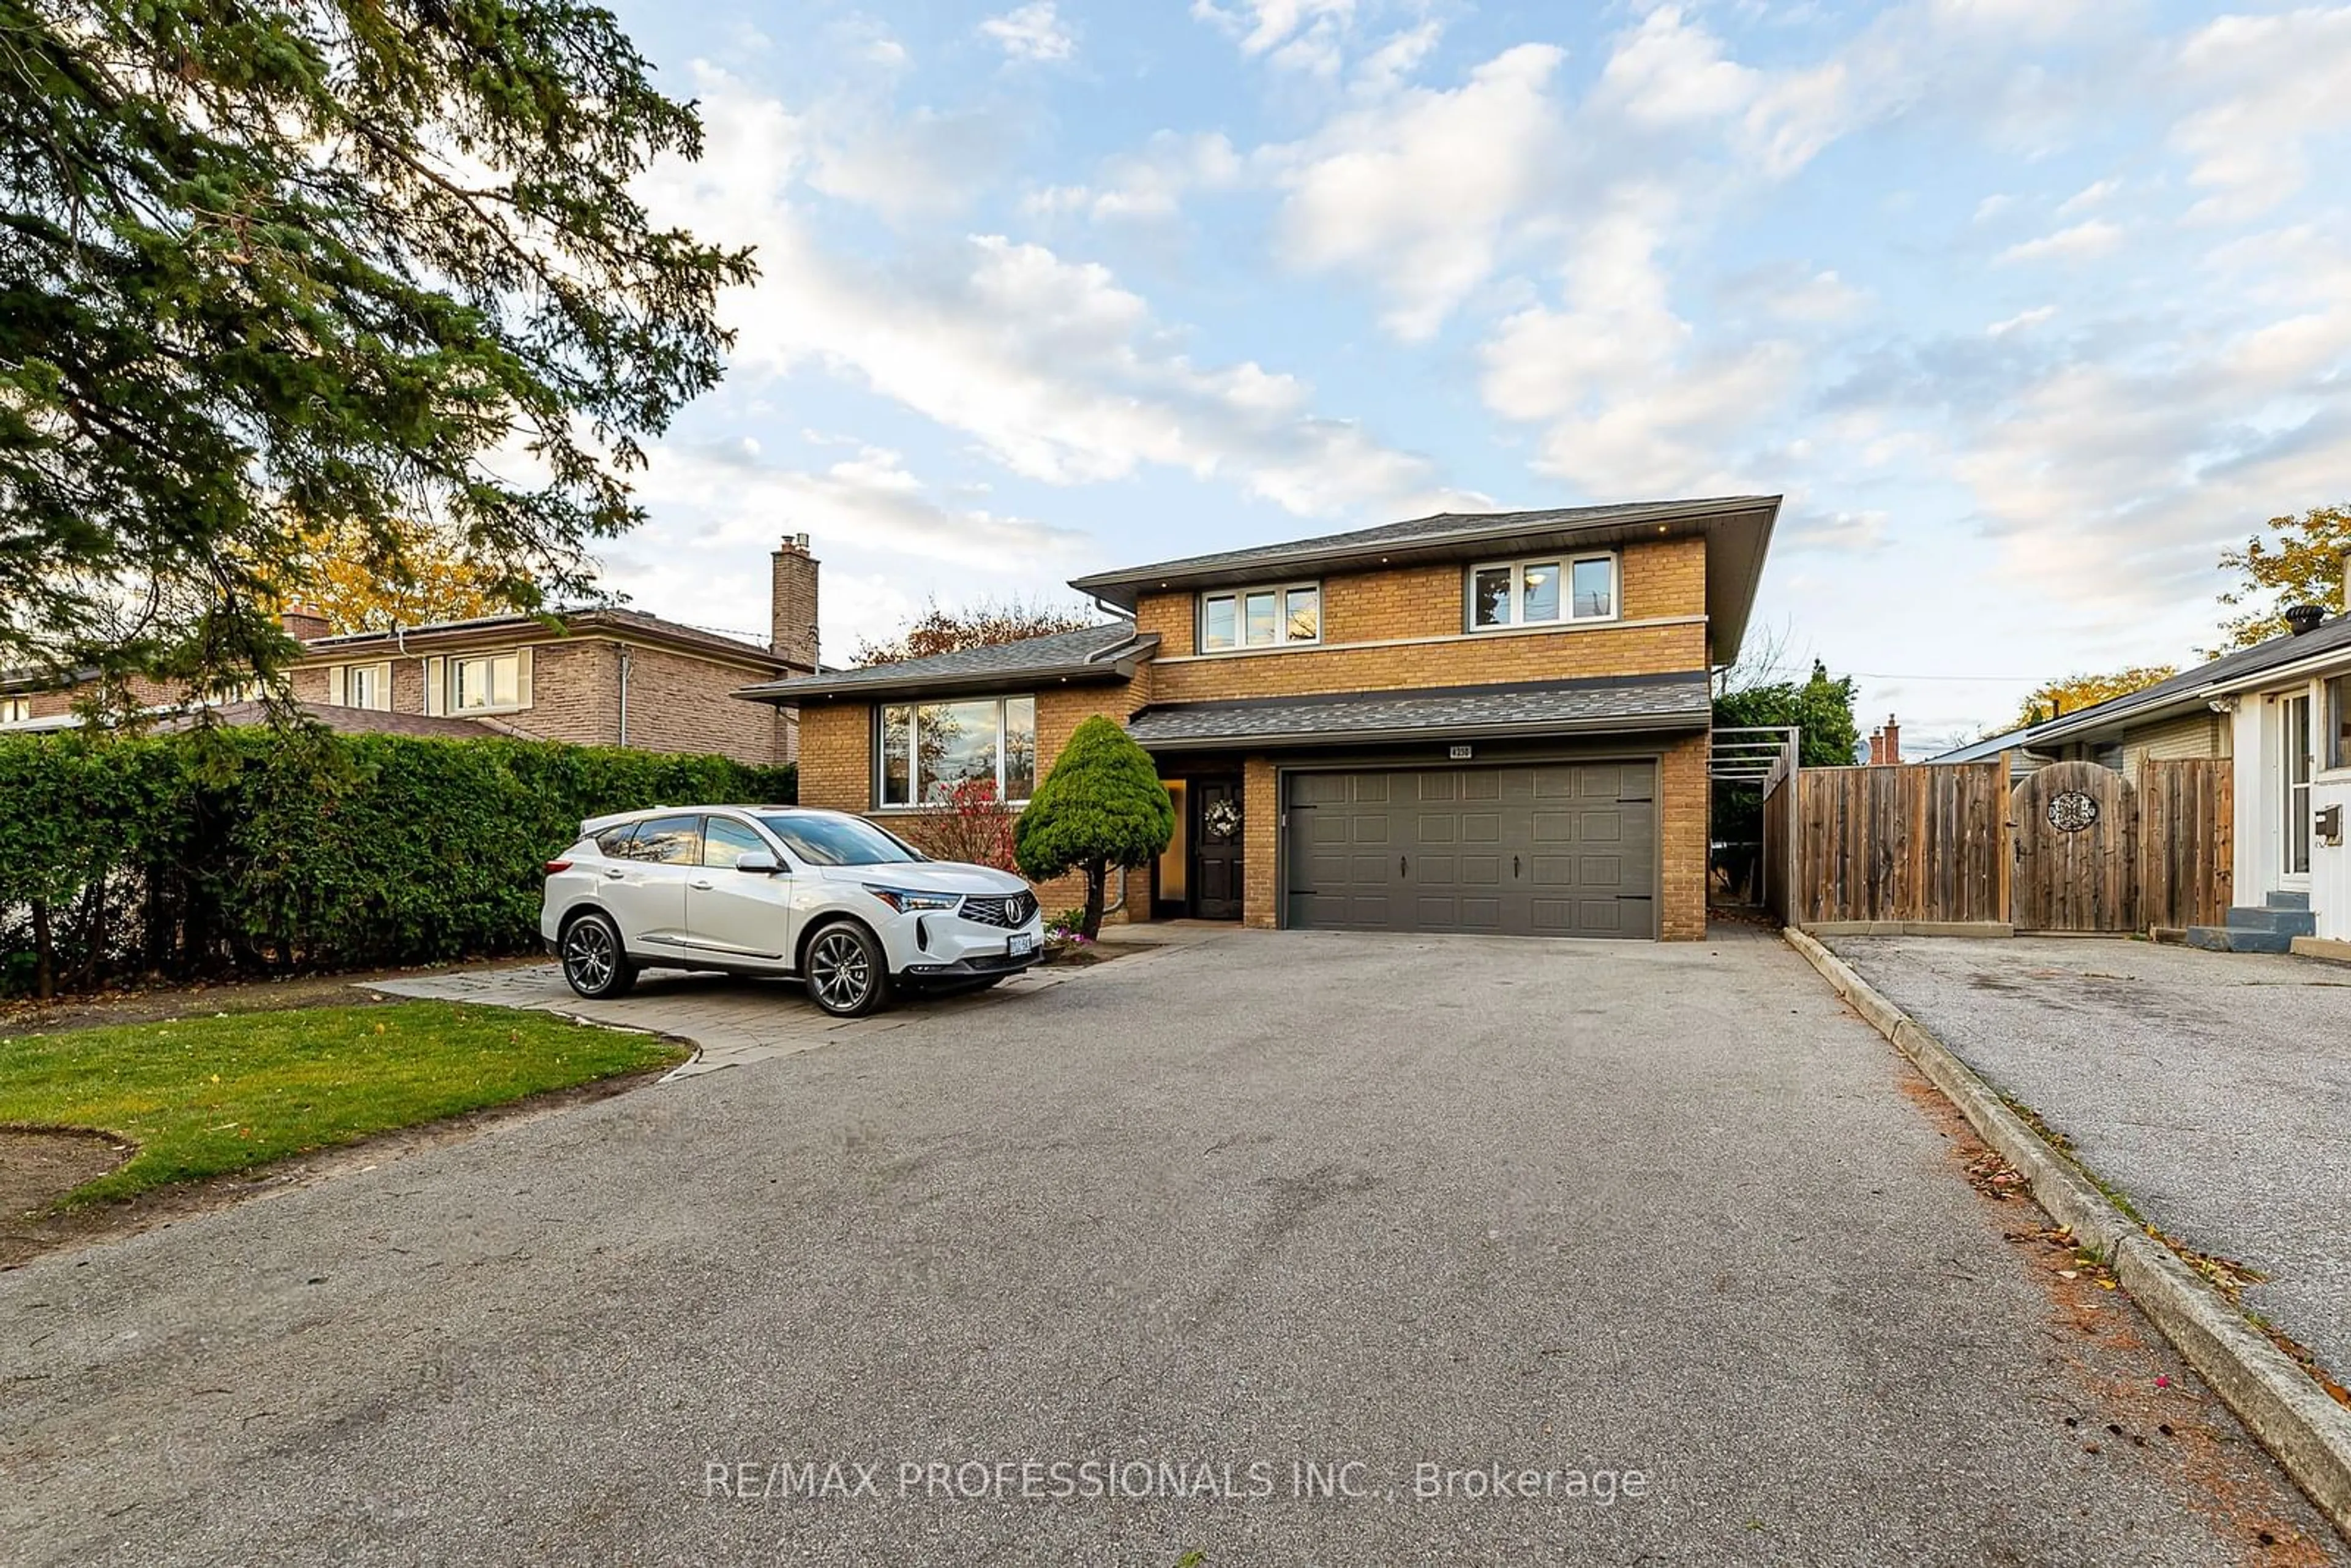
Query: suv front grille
point(1010, 910)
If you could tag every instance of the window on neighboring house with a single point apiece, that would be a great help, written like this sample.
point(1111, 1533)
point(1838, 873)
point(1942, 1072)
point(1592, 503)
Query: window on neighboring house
point(928, 749)
point(2338, 722)
point(1545, 592)
point(1260, 617)
point(361, 685)
point(15, 710)
point(477, 683)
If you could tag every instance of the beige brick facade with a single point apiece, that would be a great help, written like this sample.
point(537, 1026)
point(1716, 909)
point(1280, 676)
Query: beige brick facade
point(1381, 630)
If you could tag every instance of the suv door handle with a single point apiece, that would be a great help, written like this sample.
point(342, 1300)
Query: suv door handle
point(614, 873)
point(702, 882)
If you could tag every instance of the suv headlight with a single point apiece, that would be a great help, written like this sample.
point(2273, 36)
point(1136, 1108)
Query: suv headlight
point(903, 899)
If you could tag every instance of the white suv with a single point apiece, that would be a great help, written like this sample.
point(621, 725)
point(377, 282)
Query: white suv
point(776, 890)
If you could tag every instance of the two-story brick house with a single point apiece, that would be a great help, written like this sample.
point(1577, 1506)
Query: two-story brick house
point(1491, 723)
point(600, 676)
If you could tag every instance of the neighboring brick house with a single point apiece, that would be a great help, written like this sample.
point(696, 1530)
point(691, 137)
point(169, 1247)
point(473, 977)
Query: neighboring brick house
point(608, 678)
point(1490, 723)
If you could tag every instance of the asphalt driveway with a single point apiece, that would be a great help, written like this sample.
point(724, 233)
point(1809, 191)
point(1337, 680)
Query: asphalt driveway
point(2214, 1088)
point(1371, 1204)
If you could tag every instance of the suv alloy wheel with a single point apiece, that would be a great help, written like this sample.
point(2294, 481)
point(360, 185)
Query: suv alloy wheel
point(847, 975)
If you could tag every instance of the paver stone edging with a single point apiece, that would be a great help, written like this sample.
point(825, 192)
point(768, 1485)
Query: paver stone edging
point(2308, 1432)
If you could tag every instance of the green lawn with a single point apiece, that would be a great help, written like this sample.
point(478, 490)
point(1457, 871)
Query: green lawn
point(206, 1096)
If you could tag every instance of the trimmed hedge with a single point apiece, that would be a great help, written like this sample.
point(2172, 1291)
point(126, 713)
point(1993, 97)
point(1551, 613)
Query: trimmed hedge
point(266, 850)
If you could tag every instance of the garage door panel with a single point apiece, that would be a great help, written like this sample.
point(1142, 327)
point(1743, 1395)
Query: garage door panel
point(1566, 848)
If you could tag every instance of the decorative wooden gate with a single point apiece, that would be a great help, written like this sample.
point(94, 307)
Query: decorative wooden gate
point(2075, 827)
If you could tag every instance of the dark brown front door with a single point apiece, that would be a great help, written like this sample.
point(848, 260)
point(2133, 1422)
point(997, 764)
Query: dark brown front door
point(1216, 848)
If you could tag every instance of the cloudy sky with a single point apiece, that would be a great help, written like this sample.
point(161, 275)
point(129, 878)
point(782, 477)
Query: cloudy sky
point(2029, 307)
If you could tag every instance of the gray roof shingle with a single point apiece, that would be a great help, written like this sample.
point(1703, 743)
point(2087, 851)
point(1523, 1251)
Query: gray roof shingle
point(1090, 649)
point(1636, 702)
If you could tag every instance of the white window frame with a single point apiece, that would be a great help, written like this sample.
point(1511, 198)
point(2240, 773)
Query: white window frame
point(339, 686)
point(2293, 824)
point(15, 710)
point(441, 683)
point(1241, 598)
point(1566, 563)
point(914, 782)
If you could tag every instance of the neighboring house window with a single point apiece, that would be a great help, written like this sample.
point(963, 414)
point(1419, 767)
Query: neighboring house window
point(1545, 592)
point(928, 749)
point(361, 685)
point(15, 710)
point(478, 683)
point(1260, 617)
point(2338, 722)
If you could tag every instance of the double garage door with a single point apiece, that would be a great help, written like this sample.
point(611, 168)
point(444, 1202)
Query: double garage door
point(1550, 849)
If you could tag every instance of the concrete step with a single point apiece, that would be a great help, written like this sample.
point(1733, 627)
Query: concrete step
point(2286, 900)
point(2285, 922)
point(2237, 939)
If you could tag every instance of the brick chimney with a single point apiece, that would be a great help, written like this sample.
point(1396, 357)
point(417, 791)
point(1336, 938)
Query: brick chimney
point(1893, 741)
point(304, 623)
point(1877, 748)
point(791, 604)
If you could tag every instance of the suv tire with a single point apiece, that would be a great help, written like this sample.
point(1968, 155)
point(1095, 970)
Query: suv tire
point(845, 970)
point(595, 964)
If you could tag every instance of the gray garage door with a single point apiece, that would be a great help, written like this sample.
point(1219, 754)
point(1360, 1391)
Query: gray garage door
point(1551, 850)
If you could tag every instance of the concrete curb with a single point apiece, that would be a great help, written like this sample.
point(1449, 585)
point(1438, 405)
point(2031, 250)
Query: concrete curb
point(2308, 1432)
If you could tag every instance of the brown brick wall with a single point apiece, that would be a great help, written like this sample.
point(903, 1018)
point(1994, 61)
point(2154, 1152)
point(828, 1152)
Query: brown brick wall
point(1260, 841)
point(1660, 580)
point(1683, 824)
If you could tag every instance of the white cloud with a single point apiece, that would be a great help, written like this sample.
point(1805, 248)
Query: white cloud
point(1416, 193)
point(1298, 34)
point(1032, 32)
point(2270, 84)
point(1991, 206)
point(1151, 183)
point(2083, 242)
point(2089, 196)
point(2021, 321)
point(1668, 71)
point(1057, 372)
point(1631, 402)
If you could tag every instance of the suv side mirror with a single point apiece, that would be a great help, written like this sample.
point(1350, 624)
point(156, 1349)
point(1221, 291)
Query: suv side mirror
point(758, 861)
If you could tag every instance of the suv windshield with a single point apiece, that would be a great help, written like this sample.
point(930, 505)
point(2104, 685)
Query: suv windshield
point(838, 841)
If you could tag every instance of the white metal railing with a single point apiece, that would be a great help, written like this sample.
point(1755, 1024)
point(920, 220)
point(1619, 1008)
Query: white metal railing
point(1754, 754)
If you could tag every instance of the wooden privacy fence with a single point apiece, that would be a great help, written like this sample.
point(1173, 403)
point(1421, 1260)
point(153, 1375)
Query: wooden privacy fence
point(2072, 847)
point(1919, 844)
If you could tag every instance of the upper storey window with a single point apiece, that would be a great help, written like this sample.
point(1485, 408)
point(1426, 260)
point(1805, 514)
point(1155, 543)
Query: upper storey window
point(1545, 591)
point(1275, 617)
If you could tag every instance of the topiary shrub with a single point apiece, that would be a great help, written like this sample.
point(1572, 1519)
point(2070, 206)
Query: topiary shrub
point(1102, 806)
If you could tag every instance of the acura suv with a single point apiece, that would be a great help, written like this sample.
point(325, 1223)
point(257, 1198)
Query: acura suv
point(848, 908)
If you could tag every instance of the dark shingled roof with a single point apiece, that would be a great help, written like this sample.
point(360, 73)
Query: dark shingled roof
point(1096, 652)
point(2229, 671)
point(1737, 530)
point(1621, 703)
point(1442, 527)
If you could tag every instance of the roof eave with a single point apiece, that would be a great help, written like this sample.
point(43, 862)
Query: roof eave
point(1124, 587)
point(975, 682)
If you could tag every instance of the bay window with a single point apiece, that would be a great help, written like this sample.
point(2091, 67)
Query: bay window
point(1271, 617)
point(929, 748)
point(1542, 593)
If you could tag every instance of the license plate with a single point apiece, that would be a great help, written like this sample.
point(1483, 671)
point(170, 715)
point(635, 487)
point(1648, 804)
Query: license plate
point(1023, 943)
